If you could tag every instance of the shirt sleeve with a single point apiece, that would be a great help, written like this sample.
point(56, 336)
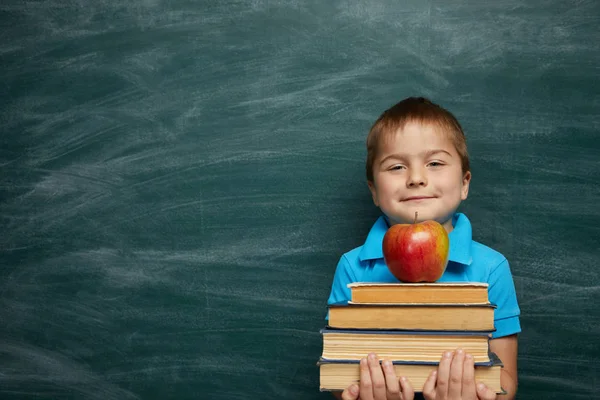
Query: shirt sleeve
point(502, 293)
point(340, 292)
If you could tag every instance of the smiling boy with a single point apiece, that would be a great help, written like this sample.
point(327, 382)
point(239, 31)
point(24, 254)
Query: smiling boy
point(417, 161)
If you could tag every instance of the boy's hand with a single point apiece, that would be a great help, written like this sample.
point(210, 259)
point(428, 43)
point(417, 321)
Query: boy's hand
point(455, 380)
point(378, 382)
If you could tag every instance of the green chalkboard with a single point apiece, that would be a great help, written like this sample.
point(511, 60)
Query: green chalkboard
point(179, 178)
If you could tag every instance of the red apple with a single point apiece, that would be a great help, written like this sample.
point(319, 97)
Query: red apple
point(416, 252)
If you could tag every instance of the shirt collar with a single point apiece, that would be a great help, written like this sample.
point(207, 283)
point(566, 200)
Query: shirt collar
point(460, 240)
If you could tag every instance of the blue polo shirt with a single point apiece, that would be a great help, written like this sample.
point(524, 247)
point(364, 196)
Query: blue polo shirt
point(469, 261)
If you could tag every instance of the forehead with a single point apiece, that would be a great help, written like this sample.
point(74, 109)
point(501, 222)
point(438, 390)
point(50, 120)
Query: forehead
point(416, 135)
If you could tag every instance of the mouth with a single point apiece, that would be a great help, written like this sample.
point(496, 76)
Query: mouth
point(418, 198)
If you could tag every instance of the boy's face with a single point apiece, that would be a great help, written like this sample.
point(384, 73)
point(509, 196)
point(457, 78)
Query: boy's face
point(419, 169)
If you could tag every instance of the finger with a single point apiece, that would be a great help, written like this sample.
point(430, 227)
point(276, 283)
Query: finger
point(456, 372)
point(376, 377)
point(366, 386)
point(443, 375)
point(350, 393)
point(392, 383)
point(485, 393)
point(468, 379)
point(408, 392)
point(429, 386)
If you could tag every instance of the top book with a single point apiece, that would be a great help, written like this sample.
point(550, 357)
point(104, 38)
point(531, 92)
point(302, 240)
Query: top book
point(419, 293)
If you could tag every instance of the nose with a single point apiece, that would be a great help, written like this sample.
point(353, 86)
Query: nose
point(416, 178)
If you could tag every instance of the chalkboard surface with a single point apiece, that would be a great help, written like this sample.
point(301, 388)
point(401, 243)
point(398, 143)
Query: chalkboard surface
point(179, 178)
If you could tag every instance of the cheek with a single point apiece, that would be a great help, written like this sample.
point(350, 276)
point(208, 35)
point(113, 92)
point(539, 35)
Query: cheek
point(387, 188)
point(452, 186)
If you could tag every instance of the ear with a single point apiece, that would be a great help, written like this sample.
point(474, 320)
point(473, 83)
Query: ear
point(373, 190)
point(464, 191)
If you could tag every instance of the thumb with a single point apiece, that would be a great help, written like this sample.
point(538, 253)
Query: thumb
point(350, 393)
point(485, 393)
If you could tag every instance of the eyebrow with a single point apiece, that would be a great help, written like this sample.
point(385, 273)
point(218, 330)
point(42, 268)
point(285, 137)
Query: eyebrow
point(427, 154)
point(435, 151)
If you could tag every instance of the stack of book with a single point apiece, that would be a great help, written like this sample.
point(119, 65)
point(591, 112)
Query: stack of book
point(411, 325)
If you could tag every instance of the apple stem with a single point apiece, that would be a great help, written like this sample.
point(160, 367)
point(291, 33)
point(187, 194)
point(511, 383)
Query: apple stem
point(416, 213)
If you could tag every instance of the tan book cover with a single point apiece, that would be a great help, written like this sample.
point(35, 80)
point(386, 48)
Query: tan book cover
point(339, 374)
point(344, 344)
point(419, 293)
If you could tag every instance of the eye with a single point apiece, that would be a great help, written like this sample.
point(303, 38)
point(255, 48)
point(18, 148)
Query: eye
point(396, 167)
point(435, 164)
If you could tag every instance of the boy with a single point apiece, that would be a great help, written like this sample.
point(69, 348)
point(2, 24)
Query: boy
point(417, 161)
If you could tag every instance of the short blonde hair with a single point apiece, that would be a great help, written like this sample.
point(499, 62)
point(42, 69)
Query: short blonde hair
point(415, 109)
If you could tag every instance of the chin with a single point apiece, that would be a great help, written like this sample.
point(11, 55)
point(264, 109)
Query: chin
point(423, 215)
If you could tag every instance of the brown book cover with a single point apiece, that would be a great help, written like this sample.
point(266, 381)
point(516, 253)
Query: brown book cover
point(442, 317)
